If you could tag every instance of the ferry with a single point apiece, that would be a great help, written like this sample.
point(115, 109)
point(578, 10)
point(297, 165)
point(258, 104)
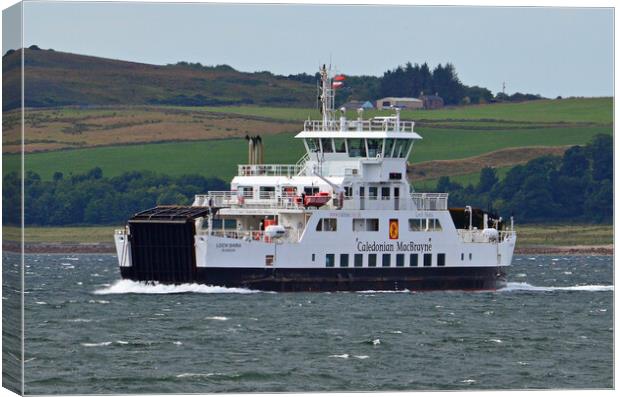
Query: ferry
point(343, 218)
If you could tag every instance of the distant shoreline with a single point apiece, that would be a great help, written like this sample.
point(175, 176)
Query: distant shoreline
point(108, 248)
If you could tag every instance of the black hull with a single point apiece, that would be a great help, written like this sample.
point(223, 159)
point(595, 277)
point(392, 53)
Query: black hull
point(333, 279)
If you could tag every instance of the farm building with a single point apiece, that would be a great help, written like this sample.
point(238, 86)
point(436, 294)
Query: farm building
point(405, 103)
point(358, 104)
point(432, 101)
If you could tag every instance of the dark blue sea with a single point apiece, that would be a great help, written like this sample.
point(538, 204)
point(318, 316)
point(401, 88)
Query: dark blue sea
point(88, 332)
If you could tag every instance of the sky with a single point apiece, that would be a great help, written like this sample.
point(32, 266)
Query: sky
point(547, 51)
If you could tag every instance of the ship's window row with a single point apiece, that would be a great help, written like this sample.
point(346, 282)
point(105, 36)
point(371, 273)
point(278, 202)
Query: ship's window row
point(327, 225)
point(424, 224)
point(385, 260)
point(360, 147)
point(365, 224)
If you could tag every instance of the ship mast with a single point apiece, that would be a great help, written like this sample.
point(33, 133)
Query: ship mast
point(327, 97)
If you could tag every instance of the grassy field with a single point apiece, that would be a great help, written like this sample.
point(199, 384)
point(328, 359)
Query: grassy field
point(577, 110)
point(74, 128)
point(528, 235)
point(564, 235)
point(208, 140)
point(65, 235)
point(220, 157)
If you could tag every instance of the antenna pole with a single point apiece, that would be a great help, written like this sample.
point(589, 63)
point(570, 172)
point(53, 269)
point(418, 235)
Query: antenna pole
point(327, 96)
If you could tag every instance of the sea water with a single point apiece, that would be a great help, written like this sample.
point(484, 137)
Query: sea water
point(87, 331)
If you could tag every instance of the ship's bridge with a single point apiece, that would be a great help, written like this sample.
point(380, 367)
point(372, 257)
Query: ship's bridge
point(380, 137)
point(375, 149)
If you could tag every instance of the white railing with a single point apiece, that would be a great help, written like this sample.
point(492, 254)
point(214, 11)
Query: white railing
point(422, 201)
point(507, 235)
point(267, 200)
point(379, 124)
point(251, 235)
point(430, 201)
point(478, 236)
point(472, 236)
point(269, 169)
point(301, 163)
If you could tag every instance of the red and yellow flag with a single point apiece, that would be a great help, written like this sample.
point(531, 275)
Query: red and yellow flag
point(393, 229)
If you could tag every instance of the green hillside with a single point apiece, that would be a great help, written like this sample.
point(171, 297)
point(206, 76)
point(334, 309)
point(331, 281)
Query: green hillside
point(541, 112)
point(448, 134)
point(220, 157)
point(59, 79)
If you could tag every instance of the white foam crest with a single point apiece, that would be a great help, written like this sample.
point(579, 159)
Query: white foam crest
point(389, 291)
point(96, 344)
point(135, 287)
point(217, 318)
point(528, 287)
point(340, 355)
point(198, 375)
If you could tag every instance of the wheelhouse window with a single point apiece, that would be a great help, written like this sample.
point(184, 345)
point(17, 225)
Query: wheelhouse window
point(375, 147)
point(357, 147)
point(326, 145)
point(400, 149)
point(313, 144)
point(339, 145)
point(326, 225)
point(389, 146)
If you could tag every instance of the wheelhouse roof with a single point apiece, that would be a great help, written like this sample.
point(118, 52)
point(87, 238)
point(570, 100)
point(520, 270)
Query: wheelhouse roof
point(358, 134)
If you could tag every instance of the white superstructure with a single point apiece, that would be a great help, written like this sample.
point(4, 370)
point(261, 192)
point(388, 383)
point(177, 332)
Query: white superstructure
point(346, 204)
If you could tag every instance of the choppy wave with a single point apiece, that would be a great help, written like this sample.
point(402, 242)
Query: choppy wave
point(217, 318)
point(135, 287)
point(96, 344)
point(528, 287)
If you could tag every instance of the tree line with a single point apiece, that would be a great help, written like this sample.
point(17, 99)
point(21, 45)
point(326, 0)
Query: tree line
point(414, 80)
point(577, 187)
point(93, 199)
point(410, 80)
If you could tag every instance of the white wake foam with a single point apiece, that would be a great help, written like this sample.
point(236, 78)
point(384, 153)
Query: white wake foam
point(528, 287)
point(135, 287)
